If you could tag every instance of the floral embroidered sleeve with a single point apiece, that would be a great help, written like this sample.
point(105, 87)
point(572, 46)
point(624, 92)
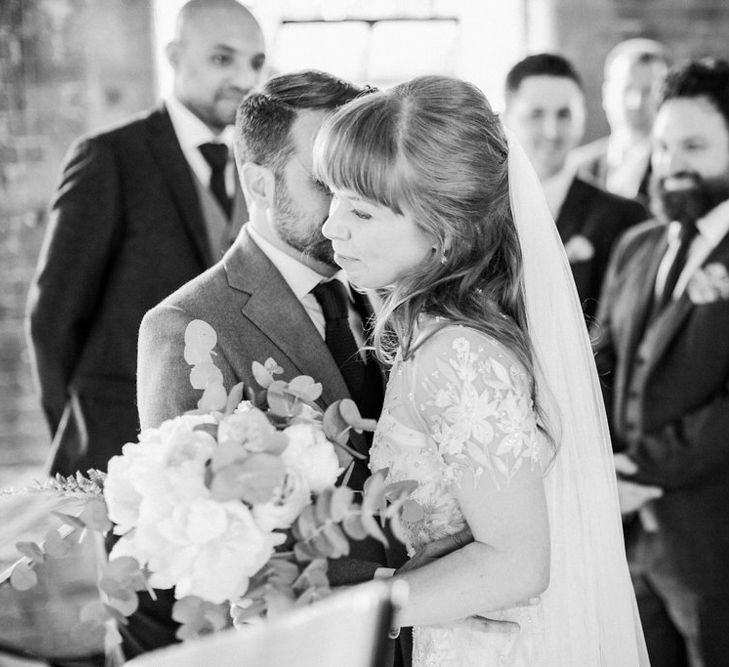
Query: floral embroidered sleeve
point(474, 398)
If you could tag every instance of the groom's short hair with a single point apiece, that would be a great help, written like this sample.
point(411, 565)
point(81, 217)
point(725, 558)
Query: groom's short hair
point(541, 64)
point(264, 117)
point(707, 78)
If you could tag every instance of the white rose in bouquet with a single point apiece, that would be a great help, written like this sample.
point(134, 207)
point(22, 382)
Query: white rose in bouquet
point(166, 465)
point(312, 455)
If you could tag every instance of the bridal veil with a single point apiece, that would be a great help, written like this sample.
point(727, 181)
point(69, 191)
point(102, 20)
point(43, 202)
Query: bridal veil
point(589, 608)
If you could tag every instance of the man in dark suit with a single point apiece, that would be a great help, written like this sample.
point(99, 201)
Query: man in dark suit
point(620, 163)
point(662, 351)
point(140, 210)
point(545, 108)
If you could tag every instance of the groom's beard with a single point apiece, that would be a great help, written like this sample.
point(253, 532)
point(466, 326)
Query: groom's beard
point(687, 197)
point(300, 229)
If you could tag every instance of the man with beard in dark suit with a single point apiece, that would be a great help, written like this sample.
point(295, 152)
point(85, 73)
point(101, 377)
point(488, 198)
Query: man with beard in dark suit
point(140, 210)
point(662, 351)
point(545, 108)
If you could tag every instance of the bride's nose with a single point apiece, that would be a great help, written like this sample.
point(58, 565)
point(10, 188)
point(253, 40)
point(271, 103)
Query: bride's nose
point(334, 228)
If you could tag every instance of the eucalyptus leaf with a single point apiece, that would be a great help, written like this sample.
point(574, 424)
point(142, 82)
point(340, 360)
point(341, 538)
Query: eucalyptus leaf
point(235, 396)
point(305, 388)
point(200, 339)
point(55, 546)
point(341, 503)
point(125, 602)
point(261, 375)
point(70, 520)
point(322, 506)
point(253, 480)
point(30, 550)
point(354, 527)
point(337, 539)
point(23, 578)
point(373, 529)
point(96, 516)
point(411, 511)
point(307, 522)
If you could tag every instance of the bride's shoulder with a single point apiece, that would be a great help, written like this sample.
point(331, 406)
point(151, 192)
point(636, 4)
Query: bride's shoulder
point(443, 338)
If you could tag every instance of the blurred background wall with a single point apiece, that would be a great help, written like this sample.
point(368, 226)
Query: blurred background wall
point(72, 66)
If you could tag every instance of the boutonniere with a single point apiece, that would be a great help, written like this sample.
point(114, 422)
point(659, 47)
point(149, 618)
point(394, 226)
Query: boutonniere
point(579, 249)
point(709, 284)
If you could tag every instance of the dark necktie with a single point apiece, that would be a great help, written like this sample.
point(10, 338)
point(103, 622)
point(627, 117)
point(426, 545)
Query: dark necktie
point(334, 301)
point(687, 235)
point(216, 155)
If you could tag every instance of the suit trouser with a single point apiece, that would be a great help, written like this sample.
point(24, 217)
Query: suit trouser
point(683, 627)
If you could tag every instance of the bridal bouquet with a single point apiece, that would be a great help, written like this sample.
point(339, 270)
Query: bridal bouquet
point(233, 505)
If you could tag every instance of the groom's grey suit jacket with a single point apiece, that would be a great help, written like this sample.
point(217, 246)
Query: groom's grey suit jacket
point(255, 316)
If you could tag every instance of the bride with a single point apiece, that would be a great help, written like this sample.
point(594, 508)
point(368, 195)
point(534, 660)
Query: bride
point(492, 404)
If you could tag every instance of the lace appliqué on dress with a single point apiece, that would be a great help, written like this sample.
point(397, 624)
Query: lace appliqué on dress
point(479, 411)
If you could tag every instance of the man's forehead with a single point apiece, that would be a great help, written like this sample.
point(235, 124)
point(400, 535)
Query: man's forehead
point(223, 26)
point(548, 92)
point(688, 116)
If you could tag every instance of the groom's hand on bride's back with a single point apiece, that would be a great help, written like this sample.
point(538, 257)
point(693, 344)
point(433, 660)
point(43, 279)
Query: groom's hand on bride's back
point(437, 549)
point(442, 547)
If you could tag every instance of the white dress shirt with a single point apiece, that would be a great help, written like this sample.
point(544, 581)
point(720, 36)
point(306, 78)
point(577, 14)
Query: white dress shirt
point(556, 188)
point(712, 229)
point(192, 133)
point(302, 279)
point(627, 162)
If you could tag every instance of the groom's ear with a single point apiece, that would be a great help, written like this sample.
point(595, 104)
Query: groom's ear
point(258, 184)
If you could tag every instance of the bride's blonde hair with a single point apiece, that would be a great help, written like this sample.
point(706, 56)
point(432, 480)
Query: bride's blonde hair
point(433, 146)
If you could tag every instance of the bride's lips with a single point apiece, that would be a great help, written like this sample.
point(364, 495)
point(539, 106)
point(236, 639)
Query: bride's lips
point(340, 259)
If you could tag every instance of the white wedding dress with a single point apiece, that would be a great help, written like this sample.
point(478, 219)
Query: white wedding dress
point(461, 401)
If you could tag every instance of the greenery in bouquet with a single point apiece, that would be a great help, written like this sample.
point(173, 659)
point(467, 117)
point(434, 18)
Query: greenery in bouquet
point(233, 505)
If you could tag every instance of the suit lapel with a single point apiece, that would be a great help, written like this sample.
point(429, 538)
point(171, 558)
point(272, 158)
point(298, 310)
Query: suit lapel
point(178, 175)
point(667, 325)
point(643, 304)
point(572, 213)
point(274, 309)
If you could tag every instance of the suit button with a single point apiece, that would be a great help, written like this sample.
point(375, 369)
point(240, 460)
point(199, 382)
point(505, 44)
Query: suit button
point(639, 361)
point(633, 394)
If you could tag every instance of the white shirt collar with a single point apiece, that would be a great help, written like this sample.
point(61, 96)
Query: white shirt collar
point(712, 227)
point(190, 130)
point(621, 145)
point(556, 188)
point(299, 277)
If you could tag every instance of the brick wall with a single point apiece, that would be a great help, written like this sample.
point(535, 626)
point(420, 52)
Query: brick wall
point(585, 30)
point(66, 67)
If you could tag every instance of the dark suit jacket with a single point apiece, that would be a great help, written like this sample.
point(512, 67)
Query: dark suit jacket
point(600, 218)
point(125, 230)
point(666, 386)
point(255, 316)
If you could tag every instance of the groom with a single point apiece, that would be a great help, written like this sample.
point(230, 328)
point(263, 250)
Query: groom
point(272, 295)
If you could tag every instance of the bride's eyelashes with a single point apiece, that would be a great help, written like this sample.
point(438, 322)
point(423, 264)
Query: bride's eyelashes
point(361, 214)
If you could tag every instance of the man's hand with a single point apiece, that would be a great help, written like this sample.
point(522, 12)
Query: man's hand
point(624, 465)
point(442, 547)
point(633, 496)
point(434, 550)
